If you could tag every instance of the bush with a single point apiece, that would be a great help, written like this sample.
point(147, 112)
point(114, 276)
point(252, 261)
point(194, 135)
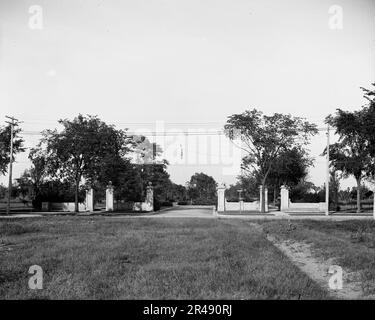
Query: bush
point(157, 205)
point(204, 202)
point(182, 203)
point(166, 204)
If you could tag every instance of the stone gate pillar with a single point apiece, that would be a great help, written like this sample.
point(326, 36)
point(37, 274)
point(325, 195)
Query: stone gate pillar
point(150, 197)
point(261, 198)
point(284, 194)
point(221, 199)
point(90, 200)
point(109, 197)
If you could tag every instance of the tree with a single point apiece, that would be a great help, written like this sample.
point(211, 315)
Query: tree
point(3, 191)
point(5, 133)
point(290, 167)
point(82, 148)
point(368, 122)
point(248, 184)
point(202, 189)
point(151, 168)
point(157, 174)
point(351, 154)
point(35, 177)
point(306, 191)
point(345, 195)
point(264, 138)
point(178, 192)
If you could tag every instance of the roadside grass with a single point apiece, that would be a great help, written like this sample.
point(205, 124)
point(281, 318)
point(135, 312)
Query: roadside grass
point(124, 258)
point(9, 229)
point(351, 244)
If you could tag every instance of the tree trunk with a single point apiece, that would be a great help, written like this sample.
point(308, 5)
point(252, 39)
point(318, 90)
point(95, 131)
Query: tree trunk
point(76, 208)
point(359, 195)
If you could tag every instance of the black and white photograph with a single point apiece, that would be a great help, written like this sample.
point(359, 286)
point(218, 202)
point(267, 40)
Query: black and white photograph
point(187, 154)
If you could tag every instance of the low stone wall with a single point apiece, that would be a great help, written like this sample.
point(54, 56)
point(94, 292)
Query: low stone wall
point(244, 206)
point(319, 206)
point(287, 205)
point(142, 206)
point(223, 205)
point(62, 206)
point(133, 206)
point(120, 205)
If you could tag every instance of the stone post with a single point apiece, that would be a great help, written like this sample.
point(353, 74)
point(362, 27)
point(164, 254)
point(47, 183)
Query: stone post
point(374, 203)
point(260, 198)
point(284, 194)
point(150, 196)
point(242, 206)
point(90, 200)
point(109, 197)
point(266, 198)
point(221, 199)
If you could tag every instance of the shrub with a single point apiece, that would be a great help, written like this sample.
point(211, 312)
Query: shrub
point(204, 202)
point(157, 205)
point(166, 204)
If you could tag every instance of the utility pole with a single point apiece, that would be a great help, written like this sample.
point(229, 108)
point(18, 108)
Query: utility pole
point(240, 199)
point(327, 177)
point(13, 122)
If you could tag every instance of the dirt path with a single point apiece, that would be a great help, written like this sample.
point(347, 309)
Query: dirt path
point(300, 254)
point(317, 269)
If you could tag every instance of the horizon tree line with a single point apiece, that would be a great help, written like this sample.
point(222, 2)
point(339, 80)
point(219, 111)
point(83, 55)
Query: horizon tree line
point(87, 151)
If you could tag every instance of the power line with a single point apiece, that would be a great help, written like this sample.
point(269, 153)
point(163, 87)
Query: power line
point(160, 133)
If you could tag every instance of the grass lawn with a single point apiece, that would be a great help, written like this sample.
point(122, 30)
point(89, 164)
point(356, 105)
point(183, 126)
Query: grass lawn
point(350, 243)
point(124, 258)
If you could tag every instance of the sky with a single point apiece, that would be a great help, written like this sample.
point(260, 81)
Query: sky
point(155, 65)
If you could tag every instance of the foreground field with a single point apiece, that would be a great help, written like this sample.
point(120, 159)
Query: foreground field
point(123, 258)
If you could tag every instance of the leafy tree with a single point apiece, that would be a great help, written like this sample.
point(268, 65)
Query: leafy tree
point(351, 154)
point(249, 184)
point(152, 169)
point(60, 191)
point(157, 174)
point(368, 123)
point(264, 138)
point(345, 195)
point(32, 179)
point(5, 133)
point(82, 148)
point(202, 189)
point(306, 191)
point(290, 167)
point(3, 191)
point(122, 174)
point(178, 192)
point(131, 179)
point(365, 192)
